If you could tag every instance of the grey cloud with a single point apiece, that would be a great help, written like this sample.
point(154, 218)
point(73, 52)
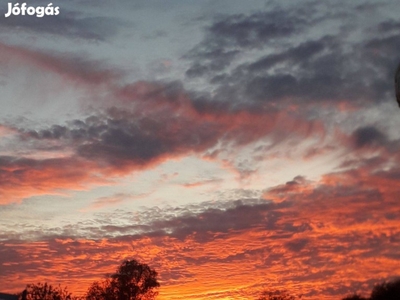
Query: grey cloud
point(251, 31)
point(217, 61)
point(313, 71)
point(375, 138)
point(229, 36)
point(140, 140)
point(123, 137)
point(390, 25)
point(67, 24)
point(241, 216)
point(298, 54)
point(325, 69)
point(203, 221)
point(368, 136)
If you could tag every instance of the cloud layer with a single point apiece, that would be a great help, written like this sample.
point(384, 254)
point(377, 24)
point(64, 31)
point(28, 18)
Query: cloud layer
point(309, 87)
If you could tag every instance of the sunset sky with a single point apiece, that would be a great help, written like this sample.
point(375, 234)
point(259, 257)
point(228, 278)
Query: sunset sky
point(234, 146)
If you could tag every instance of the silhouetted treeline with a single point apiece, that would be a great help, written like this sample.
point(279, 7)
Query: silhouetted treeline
point(131, 281)
point(382, 291)
point(137, 281)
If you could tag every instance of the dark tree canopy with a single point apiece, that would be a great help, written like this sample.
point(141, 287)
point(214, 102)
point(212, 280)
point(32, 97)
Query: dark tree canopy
point(397, 84)
point(382, 291)
point(44, 291)
point(132, 281)
point(386, 291)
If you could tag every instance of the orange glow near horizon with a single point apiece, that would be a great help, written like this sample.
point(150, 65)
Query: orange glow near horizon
point(314, 244)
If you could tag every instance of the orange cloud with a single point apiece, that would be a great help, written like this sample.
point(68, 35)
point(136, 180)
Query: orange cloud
point(322, 240)
point(22, 177)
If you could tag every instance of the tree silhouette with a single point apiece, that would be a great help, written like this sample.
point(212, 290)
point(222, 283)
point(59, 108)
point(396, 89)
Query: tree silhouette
point(132, 281)
point(381, 291)
point(386, 291)
point(45, 291)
